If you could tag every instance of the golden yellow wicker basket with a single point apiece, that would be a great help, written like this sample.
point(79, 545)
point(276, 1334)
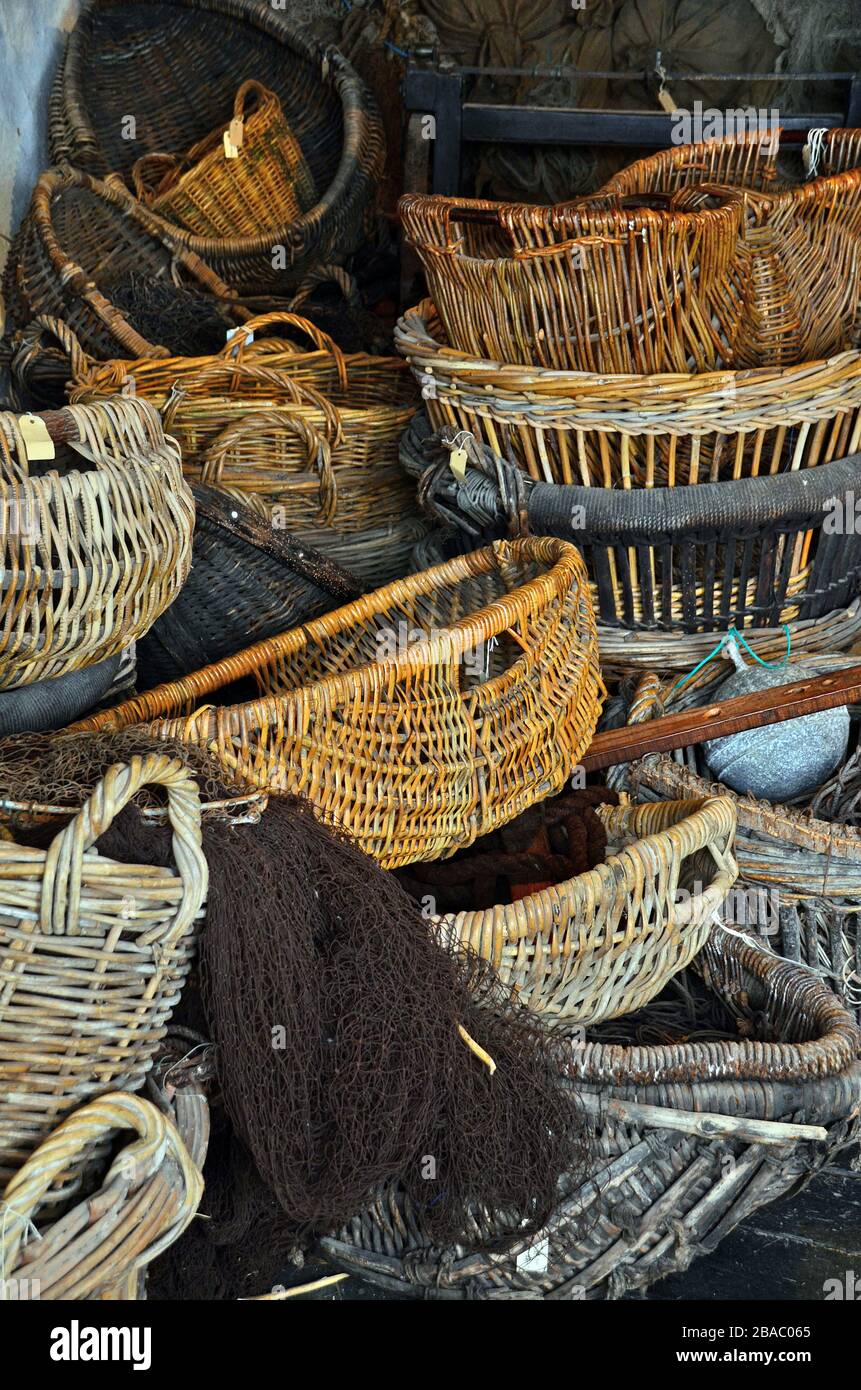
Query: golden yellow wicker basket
point(417, 717)
point(241, 179)
point(93, 955)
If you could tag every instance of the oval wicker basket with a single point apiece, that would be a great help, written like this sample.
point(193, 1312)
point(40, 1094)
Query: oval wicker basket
point(606, 942)
point(795, 276)
point(264, 186)
point(92, 554)
point(312, 437)
point(592, 286)
point(93, 955)
point(667, 1119)
point(801, 872)
point(81, 239)
point(636, 431)
point(751, 553)
point(146, 1198)
point(420, 716)
point(183, 60)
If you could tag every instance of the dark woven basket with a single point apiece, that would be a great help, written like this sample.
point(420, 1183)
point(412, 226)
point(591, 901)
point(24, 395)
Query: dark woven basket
point(80, 241)
point(248, 581)
point(660, 1192)
point(181, 61)
point(749, 552)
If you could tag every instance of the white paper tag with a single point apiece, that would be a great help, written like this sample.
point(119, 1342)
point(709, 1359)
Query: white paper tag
point(247, 335)
point(230, 150)
point(37, 441)
point(236, 132)
point(457, 460)
point(536, 1259)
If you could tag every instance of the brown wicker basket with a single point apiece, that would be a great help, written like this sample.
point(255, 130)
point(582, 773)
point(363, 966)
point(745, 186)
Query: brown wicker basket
point(692, 1137)
point(81, 238)
point(144, 1202)
point(592, 286)
point(795, 277)
point(420, 716)
point(265, 185)
point(94, 550)
point(606, 942)
point(183, 61)
point(93, 955)
point(639, 431)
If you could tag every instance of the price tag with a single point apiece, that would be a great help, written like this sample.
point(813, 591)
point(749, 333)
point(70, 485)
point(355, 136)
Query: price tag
point(246, 334)
point(457, 459)
point(37, 441)
point(236, 131)
point(230, 150)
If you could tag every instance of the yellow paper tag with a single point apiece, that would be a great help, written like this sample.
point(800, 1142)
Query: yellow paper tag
point(230, 150)
point(457, 459)
point(667, 101)
point(236, 131)
point(37, 441)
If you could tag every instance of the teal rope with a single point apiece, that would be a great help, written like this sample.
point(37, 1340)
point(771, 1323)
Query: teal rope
point(734, 635)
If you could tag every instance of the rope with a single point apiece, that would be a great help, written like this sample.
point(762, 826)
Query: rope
point(733, 635)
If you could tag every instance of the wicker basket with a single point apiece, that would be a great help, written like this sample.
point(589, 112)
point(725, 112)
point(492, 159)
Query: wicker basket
point(420, 716)
point(79, 239)
point(248, 579)
point(753, 552)
point(587, 286)
point(795, 277)
point(183, 60)
point(378, 555)
point(801, 873)
point(147, 1197)
point(93, 955)
point(94, 553)
point(630, 431)
point(692, 1138)
point(606, 942)
point(264, 186)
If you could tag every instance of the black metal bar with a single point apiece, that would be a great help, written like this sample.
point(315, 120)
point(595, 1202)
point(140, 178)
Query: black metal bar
point(853, 107)
point(539, 125)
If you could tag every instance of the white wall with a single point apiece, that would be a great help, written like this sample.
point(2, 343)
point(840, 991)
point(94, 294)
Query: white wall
point(32, 35)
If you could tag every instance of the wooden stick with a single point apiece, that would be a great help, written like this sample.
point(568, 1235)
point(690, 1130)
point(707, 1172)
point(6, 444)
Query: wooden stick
point(755, 711)
point(300, 1288)
point(704, 1124)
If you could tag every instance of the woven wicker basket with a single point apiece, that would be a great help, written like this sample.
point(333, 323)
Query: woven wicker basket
point(264, 186)
point(692, 1138)
point(247, 580)
point(592, 286)
point(94, 549)
point(93, 955)
point(183, 60)
point(145, 1200)
point(795, 276)
point(630, 431)
point(79, 238)
point(753, 552)
point(420, 716)
point(803, 873)
point(606, 942)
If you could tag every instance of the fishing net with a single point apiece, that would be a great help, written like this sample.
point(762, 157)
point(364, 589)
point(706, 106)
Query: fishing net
point(183, 319)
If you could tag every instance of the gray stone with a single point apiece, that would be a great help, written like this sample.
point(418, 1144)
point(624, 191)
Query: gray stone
point(781, 761)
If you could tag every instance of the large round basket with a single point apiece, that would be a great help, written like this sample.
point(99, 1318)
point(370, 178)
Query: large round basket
point(751, 552)
point(692, 1137)
point(183, 60)
point(97, 535)
point(418, 717)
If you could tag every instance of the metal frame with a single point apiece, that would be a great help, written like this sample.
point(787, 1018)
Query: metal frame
point(440, 93)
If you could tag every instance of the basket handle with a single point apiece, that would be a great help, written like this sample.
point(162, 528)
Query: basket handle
point(30, 338)
point(234, 350)
point(298, 392)
point(251, 87)
point(154, 173)
point(118, 1110)
point(64, 861)
point(318, 448)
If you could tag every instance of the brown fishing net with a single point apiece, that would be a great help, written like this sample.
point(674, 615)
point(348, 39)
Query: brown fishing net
point(182, 318)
